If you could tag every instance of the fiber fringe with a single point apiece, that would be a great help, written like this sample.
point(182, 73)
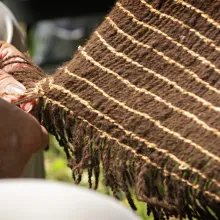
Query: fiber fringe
point(124, 173)
point(87, 149)
point(182, 193)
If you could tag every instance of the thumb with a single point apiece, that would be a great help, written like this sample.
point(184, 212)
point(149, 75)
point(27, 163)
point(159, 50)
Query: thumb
point(10, 86)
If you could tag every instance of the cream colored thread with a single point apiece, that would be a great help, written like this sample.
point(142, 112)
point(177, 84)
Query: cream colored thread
point(157, 123)
point(183, 164)
point(206, 16)
point(203, 38)
point(196, 55)
point(159, 99)
point(159, 53)
point(169, 82)
point(145, 158)
point(191, 73)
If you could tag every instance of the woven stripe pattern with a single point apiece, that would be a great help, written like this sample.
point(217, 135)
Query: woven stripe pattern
point(143, 97)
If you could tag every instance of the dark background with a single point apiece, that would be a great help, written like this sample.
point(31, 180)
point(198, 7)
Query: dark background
point(48, 21)
point(33, 10)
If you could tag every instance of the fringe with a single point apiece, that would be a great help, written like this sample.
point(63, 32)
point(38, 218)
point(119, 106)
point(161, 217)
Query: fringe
point(87, 149)
point(124, 173)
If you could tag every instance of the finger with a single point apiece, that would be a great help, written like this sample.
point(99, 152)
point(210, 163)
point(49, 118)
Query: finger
point(6, 51)
point(11, 90)
point(28, 106)
point(16, 63)
point(9, 85)
point(13, 87)
point(9, 98)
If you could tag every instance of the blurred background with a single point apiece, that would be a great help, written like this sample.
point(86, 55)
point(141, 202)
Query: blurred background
point(53, 30)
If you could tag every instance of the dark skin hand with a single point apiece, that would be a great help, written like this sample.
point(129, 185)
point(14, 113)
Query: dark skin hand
point(21, 135)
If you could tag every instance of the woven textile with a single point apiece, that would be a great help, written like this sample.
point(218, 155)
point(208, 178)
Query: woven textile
point(143, 97)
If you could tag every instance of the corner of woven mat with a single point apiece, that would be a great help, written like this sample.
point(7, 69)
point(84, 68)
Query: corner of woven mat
point(90, 151)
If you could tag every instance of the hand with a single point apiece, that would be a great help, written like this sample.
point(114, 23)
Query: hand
point(21, 134)
point(11, 54)
point(10, 89)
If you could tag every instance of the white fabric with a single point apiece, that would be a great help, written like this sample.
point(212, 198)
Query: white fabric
point(47, 200)
point(9, 29)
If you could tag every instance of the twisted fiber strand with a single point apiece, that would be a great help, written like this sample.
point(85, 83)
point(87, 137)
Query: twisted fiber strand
point(154, 201)
point(203, 38)
point(146, 116)
point(159, 99)
point(159, 53)
point(25, 61)
point(191, 52)
point(183, 164)
point(13, 62)
point(169, 82)
point(203, 14)
point(144, 158)
point(27, 98)
point(11, 57)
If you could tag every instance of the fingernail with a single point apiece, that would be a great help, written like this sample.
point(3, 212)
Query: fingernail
point(27, 107)
point(15, 89)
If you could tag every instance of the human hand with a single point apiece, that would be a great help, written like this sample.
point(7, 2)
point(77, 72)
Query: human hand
point(21, 134)
point(11, 57)
point(10, 89)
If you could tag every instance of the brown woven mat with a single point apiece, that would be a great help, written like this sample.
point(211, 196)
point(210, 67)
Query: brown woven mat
point(143, 97)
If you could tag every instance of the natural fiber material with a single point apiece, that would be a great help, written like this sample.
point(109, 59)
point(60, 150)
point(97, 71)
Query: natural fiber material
point(143, 97)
